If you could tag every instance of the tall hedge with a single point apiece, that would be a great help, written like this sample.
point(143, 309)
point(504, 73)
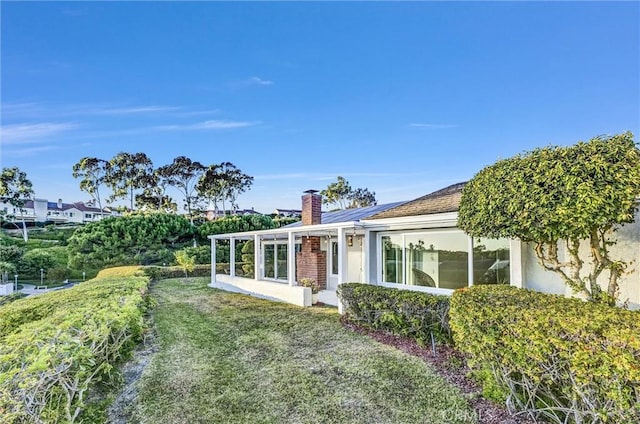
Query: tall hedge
point(558, 198)
point(140, 239)
point(560, 359)
point(56, 346)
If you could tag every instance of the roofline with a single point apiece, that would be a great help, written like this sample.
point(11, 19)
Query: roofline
point(286, 230)
point(447, 219)
point(434, 220)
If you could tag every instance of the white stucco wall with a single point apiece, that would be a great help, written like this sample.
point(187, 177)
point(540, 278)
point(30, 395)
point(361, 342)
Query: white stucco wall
point(627, 249)
point(296, 295)
point(355, 266)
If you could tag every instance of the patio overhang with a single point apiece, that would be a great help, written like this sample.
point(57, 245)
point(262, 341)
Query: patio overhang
point(282, 233)
point(286, 287)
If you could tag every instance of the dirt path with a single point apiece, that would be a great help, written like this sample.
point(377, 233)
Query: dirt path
point(121, 410)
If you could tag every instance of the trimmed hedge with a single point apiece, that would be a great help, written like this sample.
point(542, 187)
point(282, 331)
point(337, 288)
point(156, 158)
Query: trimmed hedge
point(402, 312)
point(560, 359)
point(56, 346)
point(160, 272)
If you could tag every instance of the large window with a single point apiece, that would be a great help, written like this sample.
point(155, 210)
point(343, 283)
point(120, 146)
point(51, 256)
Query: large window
point(276, 260)
point(281, 264)
point(270, 260)
point(334, 258)
point(441, 259)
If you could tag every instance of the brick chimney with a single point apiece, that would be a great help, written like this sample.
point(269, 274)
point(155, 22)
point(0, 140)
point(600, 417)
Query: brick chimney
point(312, 261)
point(311, 208)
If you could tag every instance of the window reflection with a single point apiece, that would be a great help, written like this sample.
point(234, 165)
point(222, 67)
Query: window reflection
point(491, 261)
point(392, 259)
point(437, 260)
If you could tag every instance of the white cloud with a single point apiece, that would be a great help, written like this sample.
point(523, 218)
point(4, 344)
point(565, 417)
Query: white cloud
point(207, 125)
point(29, 151)
point(432, 126)
point(132, 110)
point(33, 133)
point(259, 81)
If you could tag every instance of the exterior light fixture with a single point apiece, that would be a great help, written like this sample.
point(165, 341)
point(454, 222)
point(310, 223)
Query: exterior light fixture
point(350, 241)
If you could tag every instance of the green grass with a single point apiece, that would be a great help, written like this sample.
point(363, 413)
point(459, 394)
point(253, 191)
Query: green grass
point(229, 358)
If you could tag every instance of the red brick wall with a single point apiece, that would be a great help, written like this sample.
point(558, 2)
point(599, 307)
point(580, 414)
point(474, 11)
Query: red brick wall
point(311, 209)
point(312, 262)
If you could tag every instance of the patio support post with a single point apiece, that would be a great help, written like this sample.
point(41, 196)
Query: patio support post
point(341, 255)
point(256, 256)
point(291, 259)
point(213, 261)
point(366, 256)
point(232, 257)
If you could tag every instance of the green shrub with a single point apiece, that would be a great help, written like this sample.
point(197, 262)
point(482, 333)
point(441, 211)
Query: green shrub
point(559, 359)
point(35, 260)
point(201, 254)
point(248, 253)
point(11, 253)
point(185, 261)
point(403, 312)
point(58, 274)
point(160, 272)
point(57, 346)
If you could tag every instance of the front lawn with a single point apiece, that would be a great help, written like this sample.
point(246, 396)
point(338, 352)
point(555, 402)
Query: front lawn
point(229, 358)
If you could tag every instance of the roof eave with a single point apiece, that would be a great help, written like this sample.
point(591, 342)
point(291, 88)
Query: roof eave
point(302, 229)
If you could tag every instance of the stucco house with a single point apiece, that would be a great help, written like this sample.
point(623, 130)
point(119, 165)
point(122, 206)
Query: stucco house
point(41, 210)
point(412, 245)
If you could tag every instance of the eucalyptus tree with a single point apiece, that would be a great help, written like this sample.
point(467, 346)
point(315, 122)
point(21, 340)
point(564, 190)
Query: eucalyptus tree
point(183, 174)
point(223, 182)
point(129, 172)
point(16, 189)
point(337, 193)
point(154, 197)
point(557, 198)
point(93, 172)
point(341, 194)
point(155, 200)
point(361, 197)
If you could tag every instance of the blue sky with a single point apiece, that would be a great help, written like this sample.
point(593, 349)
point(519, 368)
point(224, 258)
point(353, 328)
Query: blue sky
point(400, 98)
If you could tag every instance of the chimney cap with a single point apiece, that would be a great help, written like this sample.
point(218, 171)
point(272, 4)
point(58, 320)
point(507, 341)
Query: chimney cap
point(310, 191)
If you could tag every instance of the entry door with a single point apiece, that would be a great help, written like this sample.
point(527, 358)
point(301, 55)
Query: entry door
point(332, 266)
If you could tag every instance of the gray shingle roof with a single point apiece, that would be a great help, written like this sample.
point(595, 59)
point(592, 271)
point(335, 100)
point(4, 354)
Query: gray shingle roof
point(350, 215)
point(441, 201)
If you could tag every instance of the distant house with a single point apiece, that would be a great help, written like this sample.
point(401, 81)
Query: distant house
point(288, 213)
point(212, 213)
point(41, 210)
point(412, 245)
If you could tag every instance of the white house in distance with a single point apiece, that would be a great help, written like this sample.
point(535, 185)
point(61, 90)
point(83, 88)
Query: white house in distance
point(41, 210)
point(411, 245)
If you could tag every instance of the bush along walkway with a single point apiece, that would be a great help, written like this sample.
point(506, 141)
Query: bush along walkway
point(418, 324)
point(229, 358)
